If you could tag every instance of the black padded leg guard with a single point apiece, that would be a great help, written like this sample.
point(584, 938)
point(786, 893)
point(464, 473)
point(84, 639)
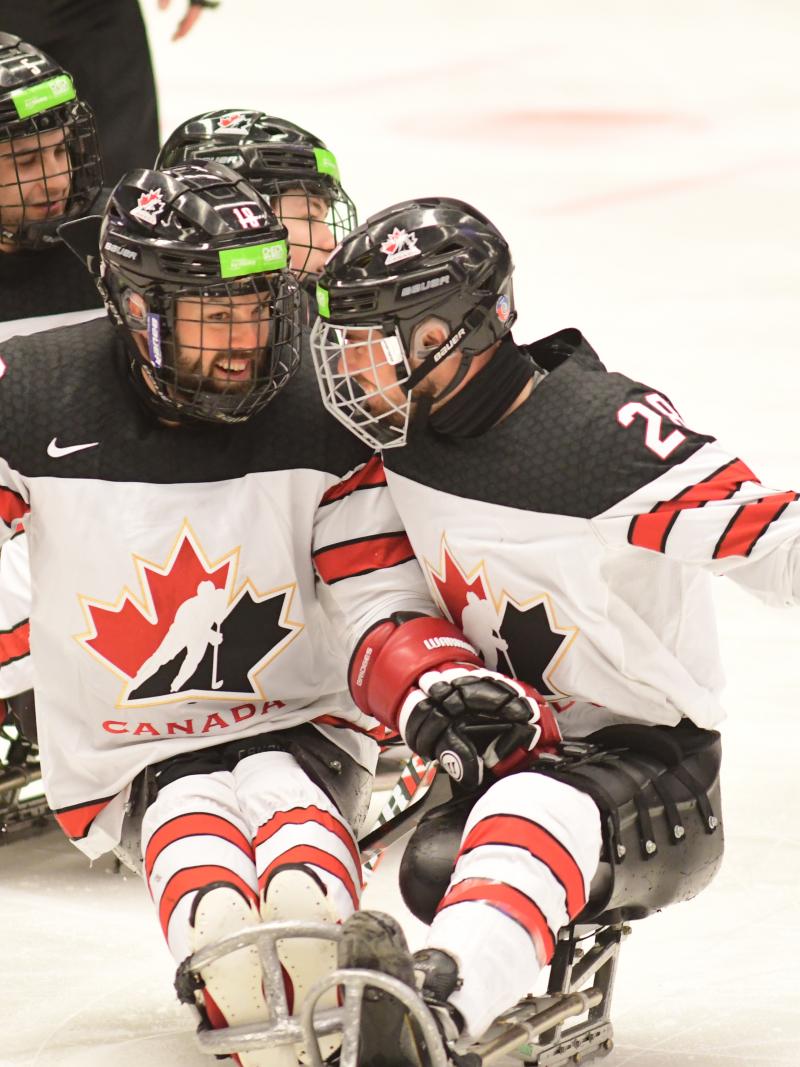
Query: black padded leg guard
point(657, 789)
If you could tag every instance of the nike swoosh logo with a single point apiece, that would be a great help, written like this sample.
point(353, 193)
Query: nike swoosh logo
point(56, 451)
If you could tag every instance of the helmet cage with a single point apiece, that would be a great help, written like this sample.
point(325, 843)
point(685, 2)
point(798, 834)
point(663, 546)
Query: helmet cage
point(363, 372)
point(359, 375)
point(26, 144)
point(245, 330)
point(193, 266)
point(317, 202)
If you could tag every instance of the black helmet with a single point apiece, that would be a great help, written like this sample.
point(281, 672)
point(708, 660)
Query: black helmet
point(421, 258)
point(50, 168)
point(279, 159)
point(194, 265)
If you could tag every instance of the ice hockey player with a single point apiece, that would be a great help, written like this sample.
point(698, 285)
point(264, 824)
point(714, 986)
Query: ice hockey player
point(191, 691)
point(300, 176)
point(50, 172)
point(292, 168)
point(582, 515)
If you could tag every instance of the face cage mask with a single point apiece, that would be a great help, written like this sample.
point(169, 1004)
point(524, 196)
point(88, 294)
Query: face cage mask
point(50, 171)
point(221, 354)
point(361, 371)
point(297, 206)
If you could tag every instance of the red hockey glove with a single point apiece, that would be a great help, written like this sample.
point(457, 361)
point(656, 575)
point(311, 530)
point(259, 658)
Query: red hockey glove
point(392, 655)
point(420, 676)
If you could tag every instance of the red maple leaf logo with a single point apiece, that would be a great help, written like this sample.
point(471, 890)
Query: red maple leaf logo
point(126, 634)
point(148, 198)
point(452, 586)
point(393, 241)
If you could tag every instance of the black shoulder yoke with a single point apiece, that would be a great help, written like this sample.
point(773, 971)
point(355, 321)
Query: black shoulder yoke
point(70, 386)
point(564, 451)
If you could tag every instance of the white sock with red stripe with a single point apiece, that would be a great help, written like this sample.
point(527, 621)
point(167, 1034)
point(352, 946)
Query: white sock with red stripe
point(497, 961)
point(529, 850)
point(307, 861)
point(193, 836)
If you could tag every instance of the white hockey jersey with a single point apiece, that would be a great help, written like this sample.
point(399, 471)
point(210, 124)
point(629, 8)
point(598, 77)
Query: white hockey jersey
point(175, 602)
point(575, 542)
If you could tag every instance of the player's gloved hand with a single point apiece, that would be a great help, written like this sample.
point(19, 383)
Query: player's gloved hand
point(470, 719)
point(421, 676)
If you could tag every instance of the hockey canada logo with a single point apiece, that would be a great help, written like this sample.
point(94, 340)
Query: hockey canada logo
point(234, 120)
point(194, 630)
point(148, 207)
point(399, 245)
point(520, 638)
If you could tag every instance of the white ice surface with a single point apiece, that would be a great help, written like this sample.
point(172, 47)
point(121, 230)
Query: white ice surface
point(643, 159)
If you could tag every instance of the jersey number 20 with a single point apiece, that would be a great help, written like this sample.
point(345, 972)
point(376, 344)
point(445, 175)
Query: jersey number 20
point(654, 412)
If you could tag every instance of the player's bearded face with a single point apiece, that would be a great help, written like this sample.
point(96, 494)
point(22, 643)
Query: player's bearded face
point(306, 218)
point(35, 179)
point(221, 340)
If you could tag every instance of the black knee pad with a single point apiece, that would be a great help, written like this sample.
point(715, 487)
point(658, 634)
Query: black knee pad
point(657, 789)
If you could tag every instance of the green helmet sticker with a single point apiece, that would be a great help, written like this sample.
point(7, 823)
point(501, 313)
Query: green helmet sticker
point(326, 163)
point(253, 259)
point(43, 96)
point(323, 302)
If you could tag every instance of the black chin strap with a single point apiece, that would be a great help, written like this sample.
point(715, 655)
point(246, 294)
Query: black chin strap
point(486, 397)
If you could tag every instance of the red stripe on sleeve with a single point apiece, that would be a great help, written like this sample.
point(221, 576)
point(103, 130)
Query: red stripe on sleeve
point(512, 903)
point(193, 825)
point(652, 530)
point(521, 833)
point(362, 556)
point(191, 879)
point(75, 821)
point(302, 816)
point(749, 523)
point(15, 643)
point(314, 857)
point(370, 476)
point(12, 506)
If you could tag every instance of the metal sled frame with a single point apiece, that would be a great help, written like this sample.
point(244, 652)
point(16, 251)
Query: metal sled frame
point(535, 1031)
point(580, 984)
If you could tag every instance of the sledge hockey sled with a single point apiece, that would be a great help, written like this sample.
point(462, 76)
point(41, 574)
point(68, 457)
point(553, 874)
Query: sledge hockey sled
point(658, 793)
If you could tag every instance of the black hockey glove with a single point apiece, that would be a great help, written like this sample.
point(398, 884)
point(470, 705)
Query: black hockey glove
point(470, 719)
point(420, 676)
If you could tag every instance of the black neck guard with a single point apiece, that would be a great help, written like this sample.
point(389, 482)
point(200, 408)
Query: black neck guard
point(486, 397)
